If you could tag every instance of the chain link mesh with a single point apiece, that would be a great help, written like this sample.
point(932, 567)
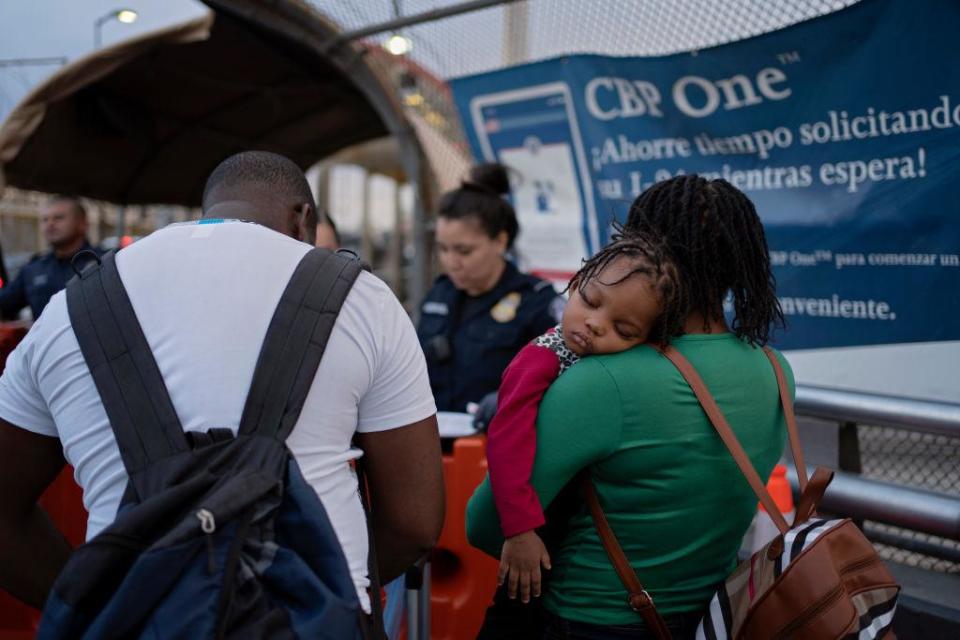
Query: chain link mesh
point(532, 30)
point(478, 41)
point(897, 553)
point(922, 460)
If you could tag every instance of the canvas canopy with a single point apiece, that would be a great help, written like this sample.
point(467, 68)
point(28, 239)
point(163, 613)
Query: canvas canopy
point(146, 121)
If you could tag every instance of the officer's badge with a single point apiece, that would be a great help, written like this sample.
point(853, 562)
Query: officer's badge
point(506, 309)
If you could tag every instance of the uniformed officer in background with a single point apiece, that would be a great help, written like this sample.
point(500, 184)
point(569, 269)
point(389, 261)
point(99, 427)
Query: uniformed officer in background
point(63, 221)
point(482, 310)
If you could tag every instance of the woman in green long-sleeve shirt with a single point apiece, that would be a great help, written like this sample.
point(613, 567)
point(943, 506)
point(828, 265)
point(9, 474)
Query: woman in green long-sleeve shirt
point(672, 493)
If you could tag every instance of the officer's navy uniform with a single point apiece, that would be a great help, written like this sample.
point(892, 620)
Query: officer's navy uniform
point(469, 341)
point(37, 281)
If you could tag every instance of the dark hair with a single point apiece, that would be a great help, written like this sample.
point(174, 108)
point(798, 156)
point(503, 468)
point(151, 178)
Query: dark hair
point(480, 197)
point(259, 171)
point(715, 236)
point(653, 261)
point(327, 220)
point(78, 209)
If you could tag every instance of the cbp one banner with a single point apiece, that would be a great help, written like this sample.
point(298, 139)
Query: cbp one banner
point(843, 130)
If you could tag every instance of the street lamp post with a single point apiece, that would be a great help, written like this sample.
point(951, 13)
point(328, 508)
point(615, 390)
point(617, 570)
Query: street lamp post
point(126, 16)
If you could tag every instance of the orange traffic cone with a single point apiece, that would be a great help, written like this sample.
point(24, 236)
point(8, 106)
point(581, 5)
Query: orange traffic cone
point(762, 530)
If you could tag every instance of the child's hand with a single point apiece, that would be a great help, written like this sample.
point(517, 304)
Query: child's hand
point(520, 562)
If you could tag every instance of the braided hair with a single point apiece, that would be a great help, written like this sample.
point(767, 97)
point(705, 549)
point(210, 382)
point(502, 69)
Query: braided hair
point(715, 236)
point(480, 197)
point(650, 258)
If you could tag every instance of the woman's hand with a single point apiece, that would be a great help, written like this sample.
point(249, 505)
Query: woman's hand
point(520, 562)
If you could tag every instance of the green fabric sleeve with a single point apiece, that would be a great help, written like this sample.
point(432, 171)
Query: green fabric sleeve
point(579, 423)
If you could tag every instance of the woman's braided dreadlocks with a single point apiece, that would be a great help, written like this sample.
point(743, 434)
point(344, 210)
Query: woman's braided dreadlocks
point(716, 239)
point(650, 259)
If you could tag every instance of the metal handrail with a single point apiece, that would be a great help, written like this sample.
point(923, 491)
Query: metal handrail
point(897, 505)
point(868, 499)
point(878, 410)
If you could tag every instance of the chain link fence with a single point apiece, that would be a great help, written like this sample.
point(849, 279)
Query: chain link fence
point(532, 30)
point(922, 460)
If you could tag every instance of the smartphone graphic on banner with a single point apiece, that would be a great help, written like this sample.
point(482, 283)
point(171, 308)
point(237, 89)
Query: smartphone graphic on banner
point(534, 132)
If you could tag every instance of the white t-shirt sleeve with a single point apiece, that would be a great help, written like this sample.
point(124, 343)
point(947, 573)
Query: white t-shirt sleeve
point(21, 403)
point(399, 393)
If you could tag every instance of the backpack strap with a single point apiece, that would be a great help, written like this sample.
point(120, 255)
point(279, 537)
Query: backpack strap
point(294, 345)
point(124, 370)
point(719, 422)
point(295, 342)
point(375, 629)
point(637, 597)
point(791, 419)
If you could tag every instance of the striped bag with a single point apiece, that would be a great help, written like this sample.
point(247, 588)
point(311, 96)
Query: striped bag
point(819, 579)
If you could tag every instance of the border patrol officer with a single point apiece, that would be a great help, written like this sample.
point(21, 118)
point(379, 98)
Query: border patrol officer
point(482, 311)
point(63, 221)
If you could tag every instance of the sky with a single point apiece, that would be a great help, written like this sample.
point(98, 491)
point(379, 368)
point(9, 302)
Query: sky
point(65, 28)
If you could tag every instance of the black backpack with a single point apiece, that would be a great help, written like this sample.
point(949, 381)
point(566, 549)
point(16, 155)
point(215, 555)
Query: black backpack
point(217, 535)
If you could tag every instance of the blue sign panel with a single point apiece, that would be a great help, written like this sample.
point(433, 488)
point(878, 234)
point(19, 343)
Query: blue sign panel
point(843, 130)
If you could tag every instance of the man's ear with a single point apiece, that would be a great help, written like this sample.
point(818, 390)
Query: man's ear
point(304, 223)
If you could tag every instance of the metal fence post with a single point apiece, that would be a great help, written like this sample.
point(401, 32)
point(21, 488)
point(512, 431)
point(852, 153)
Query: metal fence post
point(848, 453)
point(848, 448)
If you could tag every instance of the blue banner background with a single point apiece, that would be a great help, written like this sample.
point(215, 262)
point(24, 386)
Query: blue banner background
point(864, 233)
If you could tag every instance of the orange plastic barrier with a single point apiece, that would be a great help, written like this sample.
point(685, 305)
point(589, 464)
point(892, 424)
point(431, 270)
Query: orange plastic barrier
point(762, 530)
point(779, 488)
point(11, 333)
point(463, 578)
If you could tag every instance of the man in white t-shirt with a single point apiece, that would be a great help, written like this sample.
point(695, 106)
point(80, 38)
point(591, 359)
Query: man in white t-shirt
point(204, 295)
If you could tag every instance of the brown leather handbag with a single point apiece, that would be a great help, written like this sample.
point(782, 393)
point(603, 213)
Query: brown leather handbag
point(819, 579)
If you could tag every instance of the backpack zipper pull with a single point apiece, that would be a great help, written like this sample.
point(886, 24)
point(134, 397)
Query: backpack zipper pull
point(208, 525)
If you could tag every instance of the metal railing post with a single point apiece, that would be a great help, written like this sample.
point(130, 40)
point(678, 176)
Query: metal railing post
point(848, 453)
point(848, 448)
point(414, 583)
point(417, 582)
point(424, 603)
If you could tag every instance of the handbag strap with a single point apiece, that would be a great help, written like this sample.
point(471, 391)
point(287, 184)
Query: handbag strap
point(637, 597)
point(791, 419)
point(719, 422)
